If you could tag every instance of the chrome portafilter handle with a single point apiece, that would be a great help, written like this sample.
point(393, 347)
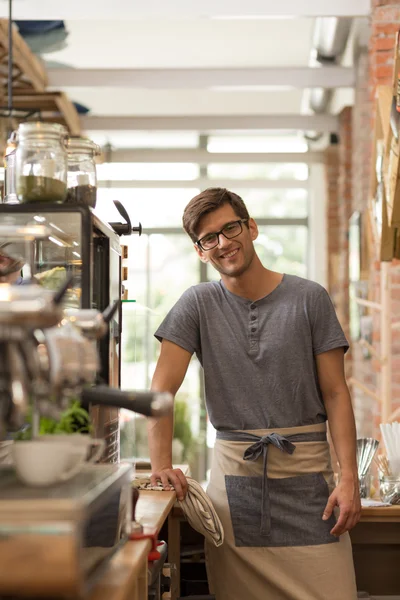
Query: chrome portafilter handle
point(150, 404)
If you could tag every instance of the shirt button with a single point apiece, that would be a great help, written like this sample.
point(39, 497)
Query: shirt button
point(253, 306)
point(253, 318)
point(253, 329)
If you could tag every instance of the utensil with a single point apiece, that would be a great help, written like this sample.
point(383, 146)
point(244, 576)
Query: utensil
point(366, 449)
point(383, 465)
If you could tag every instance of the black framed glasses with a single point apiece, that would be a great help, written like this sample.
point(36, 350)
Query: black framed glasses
point(229, 231)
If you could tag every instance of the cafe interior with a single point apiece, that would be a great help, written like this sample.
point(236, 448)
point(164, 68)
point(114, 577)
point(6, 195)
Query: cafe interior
point(112, 117)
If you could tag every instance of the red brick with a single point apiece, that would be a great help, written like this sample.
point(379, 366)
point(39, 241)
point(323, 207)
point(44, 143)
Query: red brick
point(386, 28)
point(384, 72)
point(387, 13)
point(384, 57)
point(382, 43)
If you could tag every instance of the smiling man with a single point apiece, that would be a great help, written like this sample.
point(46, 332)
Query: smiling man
point(272, 352)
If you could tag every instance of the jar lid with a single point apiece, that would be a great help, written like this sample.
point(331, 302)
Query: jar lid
point(39, 128)
point(82, 144)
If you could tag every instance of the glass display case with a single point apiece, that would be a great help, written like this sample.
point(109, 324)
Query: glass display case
point(79, 244)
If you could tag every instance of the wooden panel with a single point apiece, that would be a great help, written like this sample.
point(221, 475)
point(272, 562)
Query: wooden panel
point(126, 574)
point(28, 70)
point(53, 106)
point(376, 550)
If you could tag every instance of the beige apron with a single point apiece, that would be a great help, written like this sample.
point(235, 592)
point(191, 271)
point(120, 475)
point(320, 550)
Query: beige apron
point(277, 547)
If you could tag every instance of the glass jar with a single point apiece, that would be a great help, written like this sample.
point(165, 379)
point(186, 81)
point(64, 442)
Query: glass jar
point(389, 487)
point(41, 162)
point(10, 192)
point(82, 178)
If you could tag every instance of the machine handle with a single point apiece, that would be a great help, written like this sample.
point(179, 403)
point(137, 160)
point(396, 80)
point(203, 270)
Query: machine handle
point(110, 311)
point(59, 295)
point(124, 228)
point(150, 404)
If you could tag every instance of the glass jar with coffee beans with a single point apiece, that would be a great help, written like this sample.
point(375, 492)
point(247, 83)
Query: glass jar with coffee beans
point(82, 179)
point(41, 162)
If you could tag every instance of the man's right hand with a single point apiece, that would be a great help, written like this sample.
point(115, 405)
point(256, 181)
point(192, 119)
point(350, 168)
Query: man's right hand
point(170, 476)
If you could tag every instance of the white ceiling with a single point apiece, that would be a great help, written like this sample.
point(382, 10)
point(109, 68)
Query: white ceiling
point(187, 43)
point(177, 9)
point(180, 34)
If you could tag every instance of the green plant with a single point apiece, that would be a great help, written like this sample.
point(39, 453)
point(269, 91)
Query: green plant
point(74, 419)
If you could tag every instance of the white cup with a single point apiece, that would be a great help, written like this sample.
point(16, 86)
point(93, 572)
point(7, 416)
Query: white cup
point(44, 462)
point(81, 443)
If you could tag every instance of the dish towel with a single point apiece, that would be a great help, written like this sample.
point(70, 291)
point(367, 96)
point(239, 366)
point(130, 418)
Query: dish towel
point(197, 508)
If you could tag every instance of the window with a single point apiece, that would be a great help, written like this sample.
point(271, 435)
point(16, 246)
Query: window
point(272, 171)
point(151, 207)
point(257, 143)
point(147, 171)
point(276, 203)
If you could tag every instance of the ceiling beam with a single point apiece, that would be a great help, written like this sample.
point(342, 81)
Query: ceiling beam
point(322, 123)
point(203, 183)
point(121, 10)
point(194, 155)
point(262, 78)
point(261, 222)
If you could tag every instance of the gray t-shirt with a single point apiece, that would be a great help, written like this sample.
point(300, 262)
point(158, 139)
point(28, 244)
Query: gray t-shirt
point(258, 357)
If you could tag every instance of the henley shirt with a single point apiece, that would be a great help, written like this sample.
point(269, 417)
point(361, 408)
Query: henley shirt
point(258, 357)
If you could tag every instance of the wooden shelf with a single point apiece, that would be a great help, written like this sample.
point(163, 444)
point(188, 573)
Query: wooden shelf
point(29, 73)
point(54, 107)
point(29, 86)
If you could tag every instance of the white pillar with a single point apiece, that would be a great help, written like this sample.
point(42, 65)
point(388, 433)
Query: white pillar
point(317, 226)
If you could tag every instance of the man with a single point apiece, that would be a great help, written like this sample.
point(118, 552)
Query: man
point(10, 268)
point(272, 352)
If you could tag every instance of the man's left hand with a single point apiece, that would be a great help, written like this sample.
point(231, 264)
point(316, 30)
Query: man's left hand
point(347, 497)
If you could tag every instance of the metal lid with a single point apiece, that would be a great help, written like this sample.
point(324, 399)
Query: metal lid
point(38, 128)
point(76, 144)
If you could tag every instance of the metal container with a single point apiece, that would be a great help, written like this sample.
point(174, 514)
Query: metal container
point(389, 488)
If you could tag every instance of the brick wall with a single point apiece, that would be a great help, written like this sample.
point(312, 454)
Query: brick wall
point(374, 67)
point(338, 161)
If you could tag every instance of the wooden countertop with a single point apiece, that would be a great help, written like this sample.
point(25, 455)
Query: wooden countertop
point(152, 508)
point(126, 566)
point(380, 514)
point(122, 573)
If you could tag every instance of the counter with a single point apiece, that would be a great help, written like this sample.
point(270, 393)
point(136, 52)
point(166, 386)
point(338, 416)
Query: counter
point(376, 549)
point(126, 576)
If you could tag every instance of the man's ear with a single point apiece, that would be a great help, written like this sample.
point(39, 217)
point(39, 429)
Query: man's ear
point(253, 229)
point(202, 255)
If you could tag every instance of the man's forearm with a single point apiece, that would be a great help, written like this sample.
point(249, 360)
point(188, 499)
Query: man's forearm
point(343, 432)
point(160, 432)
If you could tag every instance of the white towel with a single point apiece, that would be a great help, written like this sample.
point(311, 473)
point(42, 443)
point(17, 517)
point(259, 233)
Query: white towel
point(197, 508)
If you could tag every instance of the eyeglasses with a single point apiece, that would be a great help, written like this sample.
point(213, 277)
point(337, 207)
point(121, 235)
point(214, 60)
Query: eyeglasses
point(229, 231)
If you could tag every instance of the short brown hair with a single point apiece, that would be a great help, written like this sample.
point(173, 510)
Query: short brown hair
point(207, 201)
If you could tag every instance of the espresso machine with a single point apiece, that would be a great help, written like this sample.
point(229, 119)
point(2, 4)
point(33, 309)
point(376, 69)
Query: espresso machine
point(56, 541)
point(81, 245)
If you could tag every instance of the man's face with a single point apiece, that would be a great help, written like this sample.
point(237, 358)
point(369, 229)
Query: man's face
point(10, 269)
point(231, 257)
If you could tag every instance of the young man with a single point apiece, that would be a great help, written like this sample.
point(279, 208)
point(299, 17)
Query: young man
point(272, 352)
point(10, 268)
